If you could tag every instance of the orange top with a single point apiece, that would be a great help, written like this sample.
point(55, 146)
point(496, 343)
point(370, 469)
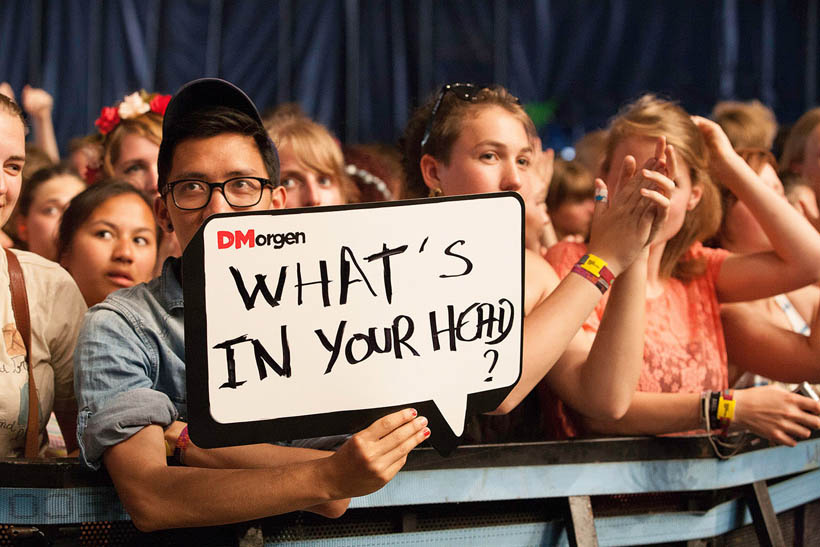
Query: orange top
point(684, 349)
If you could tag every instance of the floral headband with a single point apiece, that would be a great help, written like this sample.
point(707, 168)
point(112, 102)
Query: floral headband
point(135, 104)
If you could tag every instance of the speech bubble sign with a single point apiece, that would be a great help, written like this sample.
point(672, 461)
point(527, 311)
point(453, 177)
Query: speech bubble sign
point(313, 322)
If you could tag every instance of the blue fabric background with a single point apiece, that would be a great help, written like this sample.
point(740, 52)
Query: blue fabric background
point(360, 65)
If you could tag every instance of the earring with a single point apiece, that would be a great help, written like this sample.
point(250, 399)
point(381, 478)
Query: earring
point(170, 227)
point(434, 193)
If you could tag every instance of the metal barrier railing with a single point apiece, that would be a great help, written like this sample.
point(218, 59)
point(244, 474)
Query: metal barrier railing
point(610, 491)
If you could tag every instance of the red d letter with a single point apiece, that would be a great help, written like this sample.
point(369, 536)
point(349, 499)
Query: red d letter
point(224, 239)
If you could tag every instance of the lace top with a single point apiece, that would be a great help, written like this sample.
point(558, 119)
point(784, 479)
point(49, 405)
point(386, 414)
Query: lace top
point(684, 349)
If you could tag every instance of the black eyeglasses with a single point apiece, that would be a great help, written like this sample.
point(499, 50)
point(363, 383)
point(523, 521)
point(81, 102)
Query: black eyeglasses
point(193, 194)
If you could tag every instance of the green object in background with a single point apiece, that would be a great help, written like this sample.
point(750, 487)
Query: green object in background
point(541, 112)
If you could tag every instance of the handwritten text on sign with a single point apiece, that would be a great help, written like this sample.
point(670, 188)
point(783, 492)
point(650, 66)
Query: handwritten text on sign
point(360, 308)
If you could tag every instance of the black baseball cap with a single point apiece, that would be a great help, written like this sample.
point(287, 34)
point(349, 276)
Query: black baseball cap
point(202, 95)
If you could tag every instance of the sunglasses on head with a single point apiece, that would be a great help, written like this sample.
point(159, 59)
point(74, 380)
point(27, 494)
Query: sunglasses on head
point(464, 91)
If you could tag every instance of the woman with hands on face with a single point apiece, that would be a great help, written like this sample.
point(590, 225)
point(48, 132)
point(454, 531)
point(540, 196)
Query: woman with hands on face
point(684, 359)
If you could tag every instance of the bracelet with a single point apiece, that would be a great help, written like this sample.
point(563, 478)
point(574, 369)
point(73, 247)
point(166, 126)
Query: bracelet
point(714, 402)
point(594, 270)
point(183, 441)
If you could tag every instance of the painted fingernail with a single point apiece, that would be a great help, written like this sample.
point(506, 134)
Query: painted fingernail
point(414, 412)
point(426, 432)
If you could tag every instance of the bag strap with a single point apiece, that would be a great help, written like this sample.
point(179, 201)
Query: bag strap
point(19, 304)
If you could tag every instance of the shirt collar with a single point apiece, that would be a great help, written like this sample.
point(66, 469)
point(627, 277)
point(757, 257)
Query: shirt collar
point(170, 283)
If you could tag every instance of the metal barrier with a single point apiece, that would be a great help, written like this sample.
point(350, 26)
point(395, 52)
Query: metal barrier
point(627, 491)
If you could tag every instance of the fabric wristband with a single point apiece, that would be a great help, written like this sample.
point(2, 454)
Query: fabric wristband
point(593, 269)
point(726, 411)
point(183, 441)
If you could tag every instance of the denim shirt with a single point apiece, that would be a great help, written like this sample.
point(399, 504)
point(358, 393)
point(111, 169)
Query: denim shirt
point(130, 364)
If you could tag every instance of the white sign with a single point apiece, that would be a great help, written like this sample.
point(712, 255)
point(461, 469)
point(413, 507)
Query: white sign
point(326, 312)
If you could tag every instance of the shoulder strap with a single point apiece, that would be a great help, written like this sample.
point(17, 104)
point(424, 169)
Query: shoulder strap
point(19, 304)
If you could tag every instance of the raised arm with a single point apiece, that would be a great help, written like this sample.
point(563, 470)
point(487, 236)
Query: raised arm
point(609, 362)
point(157, 496)
point(38, 105)
point(795, 260)
point(621, 229)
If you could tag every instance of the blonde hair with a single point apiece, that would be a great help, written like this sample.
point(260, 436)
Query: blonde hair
point(590, 150)
point(795, 145)
point(315, 148)
point(748, 124)
point(652, 117)
point(571, 182)
point(148, 125)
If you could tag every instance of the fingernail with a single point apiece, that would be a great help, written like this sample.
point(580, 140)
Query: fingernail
point(414, 412)
point(426, 432)
point(422, 420)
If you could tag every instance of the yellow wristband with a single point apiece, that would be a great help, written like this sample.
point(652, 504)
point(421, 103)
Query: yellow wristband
point(169, 450)
point(593, 264)
point(726, 409)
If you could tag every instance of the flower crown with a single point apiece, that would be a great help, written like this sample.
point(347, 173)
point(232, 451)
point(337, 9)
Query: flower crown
point(133, 105)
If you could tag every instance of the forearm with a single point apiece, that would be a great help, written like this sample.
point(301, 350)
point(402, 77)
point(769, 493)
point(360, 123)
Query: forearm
point(788, 357)
point(44, 136)
point(254, 456)
point(157, 496)
point(615, 360)
point(548, 330)
point(793, 238)
point(653, 414)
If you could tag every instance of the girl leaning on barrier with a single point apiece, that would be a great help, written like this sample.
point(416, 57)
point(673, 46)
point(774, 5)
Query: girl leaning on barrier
point(684, 359)
point(472, 139)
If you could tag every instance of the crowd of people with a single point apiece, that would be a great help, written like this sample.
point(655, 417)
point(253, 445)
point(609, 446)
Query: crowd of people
point(671, 280)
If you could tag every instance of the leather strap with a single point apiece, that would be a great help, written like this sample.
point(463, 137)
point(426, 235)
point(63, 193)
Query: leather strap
point(19, 304)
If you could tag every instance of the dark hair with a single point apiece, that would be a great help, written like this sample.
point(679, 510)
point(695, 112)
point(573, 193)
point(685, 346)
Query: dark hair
point(210, 123)
point(40, 177)
point(85, 203)
point(447, 127)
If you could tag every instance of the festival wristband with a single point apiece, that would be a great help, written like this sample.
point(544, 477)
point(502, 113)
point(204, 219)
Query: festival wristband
point(183, 441)
point(726, 406)
point(596, 266)
point(595, 280)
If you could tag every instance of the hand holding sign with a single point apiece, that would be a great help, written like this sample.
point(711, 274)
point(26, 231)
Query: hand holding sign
point(370, 458)
point(316, 322)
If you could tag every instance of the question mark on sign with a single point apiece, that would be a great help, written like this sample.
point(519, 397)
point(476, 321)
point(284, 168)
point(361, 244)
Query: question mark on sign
point(495, 360)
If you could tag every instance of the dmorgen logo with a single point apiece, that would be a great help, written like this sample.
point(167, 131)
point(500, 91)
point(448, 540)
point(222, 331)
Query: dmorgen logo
point(239, 239)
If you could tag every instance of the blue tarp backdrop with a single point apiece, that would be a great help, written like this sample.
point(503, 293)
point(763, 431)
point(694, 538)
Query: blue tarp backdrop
point(360, 65)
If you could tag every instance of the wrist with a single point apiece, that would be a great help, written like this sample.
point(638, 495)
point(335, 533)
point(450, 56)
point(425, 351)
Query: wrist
point(327, 477)
point(41, 117)
point(595, 270)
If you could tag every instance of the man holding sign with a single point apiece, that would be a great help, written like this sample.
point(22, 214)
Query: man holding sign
point(215, 157)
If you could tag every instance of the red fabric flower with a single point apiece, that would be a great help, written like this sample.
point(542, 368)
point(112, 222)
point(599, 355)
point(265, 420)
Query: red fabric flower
point(108, 120)
point(159, 103)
